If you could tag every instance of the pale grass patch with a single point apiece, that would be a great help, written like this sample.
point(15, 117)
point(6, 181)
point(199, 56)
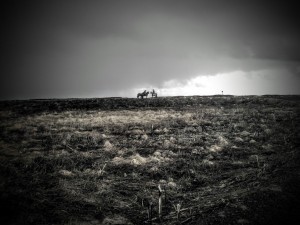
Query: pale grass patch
point(221, 143)
point(66, 173)
point(171, 184)
point(268, 131)
point(173, 140)
point(245, 133)
point(167, 144)
point(116, 219)
point(91, 119)
point(6, 114)
point(207, 162)
point(239, 140)
point(16, 126)
point(108, 146)
point(144, 137)
point(139, 160)
point(135, 132)
point(93, 172)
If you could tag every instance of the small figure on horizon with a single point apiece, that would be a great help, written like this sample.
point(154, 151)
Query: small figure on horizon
point(153, 93)
point(222, 92)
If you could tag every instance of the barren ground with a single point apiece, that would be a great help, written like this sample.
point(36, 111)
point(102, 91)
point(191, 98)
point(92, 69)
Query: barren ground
point(216, 159)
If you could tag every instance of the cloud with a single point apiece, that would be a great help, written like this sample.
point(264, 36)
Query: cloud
point(84, 48)
point(257, 82)
point(236, 83)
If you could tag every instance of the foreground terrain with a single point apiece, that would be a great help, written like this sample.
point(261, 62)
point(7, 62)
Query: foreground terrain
point(175, 160)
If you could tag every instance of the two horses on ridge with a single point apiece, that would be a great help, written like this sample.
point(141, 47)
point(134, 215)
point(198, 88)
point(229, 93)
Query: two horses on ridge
point(146, 93)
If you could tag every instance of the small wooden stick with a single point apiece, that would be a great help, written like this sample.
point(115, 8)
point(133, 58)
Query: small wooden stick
point(159, 201)
point(177, 208)
point(150, 207)
point(102, 170)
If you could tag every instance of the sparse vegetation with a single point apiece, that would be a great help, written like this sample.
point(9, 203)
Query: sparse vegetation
point(216, 160)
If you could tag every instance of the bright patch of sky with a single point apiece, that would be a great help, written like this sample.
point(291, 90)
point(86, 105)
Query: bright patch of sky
point(233, 83)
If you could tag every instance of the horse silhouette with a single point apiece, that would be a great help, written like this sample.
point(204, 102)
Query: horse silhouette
point(143, 94)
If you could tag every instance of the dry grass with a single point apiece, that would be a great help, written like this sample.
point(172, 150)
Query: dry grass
point(92, 166)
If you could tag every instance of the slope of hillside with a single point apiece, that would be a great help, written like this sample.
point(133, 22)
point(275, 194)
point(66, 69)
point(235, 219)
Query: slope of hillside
point(166, 160)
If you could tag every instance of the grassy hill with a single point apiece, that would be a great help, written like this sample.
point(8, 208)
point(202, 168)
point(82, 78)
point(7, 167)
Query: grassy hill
point(206, 159)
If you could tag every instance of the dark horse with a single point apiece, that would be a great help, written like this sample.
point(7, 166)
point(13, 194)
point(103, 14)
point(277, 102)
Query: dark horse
point(153, 93)
point(145, 93)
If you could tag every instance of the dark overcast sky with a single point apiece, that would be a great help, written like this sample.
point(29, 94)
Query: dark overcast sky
point(59, 49)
